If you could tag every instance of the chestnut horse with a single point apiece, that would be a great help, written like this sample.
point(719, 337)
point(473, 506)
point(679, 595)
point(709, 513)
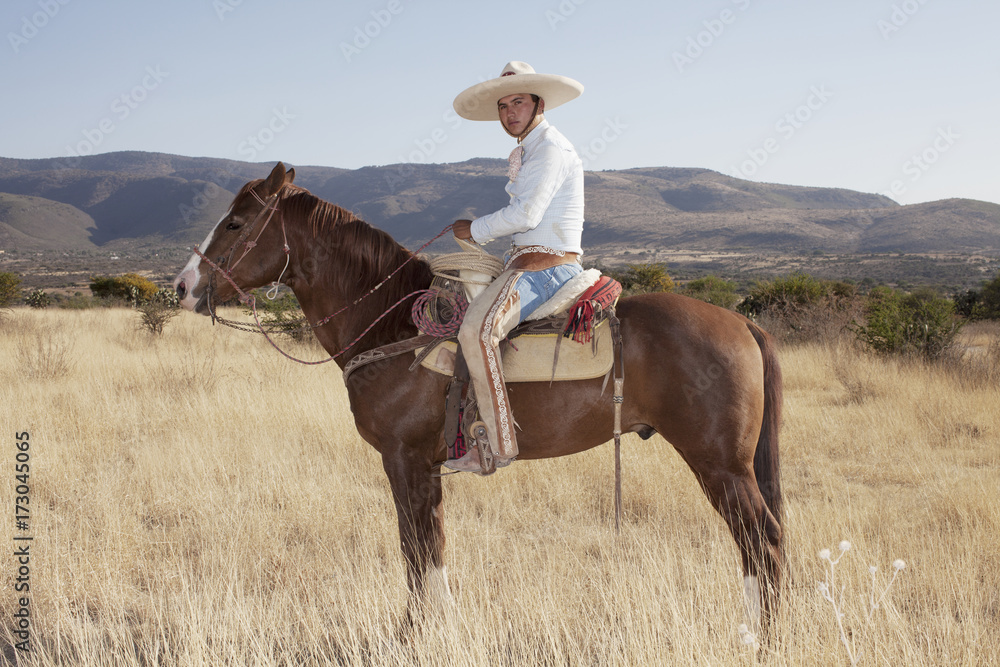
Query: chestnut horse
point(703, 377)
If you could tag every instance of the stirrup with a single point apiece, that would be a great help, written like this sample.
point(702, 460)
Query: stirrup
point(468, 462)
point(479, 459)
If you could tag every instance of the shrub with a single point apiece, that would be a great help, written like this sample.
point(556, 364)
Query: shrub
point(10, 289)
point(714, 290)
point(800, 307)
point(130, 287)
point(156, 312)
point(281, 315)
point(38, 299)
point(987, 306)
point(783, 295)
point(966, 302)
point(643, 278)
point(900, 323)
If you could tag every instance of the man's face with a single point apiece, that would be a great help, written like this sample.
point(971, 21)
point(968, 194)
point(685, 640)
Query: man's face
point(515, 111)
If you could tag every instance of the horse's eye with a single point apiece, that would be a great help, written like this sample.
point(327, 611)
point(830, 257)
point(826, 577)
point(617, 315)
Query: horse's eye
point(233, 226)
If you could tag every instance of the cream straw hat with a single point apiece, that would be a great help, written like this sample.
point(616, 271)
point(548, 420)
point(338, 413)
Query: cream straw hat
point(479, 102)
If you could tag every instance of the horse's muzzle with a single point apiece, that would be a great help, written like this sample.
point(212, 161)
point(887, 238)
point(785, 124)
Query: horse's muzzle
point(185, 285)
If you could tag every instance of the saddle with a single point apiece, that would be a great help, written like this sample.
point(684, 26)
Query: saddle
point(533, 351)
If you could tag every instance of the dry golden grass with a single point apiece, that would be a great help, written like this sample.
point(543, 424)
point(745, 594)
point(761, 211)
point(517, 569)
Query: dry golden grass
point(198, 500)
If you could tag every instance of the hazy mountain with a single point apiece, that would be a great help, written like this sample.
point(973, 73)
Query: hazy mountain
point(87, 202)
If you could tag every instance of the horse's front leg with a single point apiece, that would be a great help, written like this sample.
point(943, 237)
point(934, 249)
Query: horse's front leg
point(420, 511)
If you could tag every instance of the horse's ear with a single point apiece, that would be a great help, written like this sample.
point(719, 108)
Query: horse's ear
point(290, 175)
point(276, 180)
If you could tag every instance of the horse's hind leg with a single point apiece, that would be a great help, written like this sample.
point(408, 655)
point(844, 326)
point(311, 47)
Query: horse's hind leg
point(758, 536)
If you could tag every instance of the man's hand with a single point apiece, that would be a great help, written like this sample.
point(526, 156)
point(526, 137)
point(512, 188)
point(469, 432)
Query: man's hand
point(463, 230)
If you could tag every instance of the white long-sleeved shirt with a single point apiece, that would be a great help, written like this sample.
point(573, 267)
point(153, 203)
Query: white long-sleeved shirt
point(546, 198)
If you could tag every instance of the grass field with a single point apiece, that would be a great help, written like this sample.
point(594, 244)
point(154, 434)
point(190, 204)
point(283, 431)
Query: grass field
point(195, 499)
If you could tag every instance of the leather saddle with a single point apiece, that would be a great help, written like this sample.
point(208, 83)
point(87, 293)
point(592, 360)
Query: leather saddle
point(535, 350)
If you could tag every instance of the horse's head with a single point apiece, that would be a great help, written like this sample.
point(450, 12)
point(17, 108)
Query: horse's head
point(243, 245)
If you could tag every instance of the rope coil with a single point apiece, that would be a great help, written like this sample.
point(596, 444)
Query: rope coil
point(452, 265)
point(439, 312)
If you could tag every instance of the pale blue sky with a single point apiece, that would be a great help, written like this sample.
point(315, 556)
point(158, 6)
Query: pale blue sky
point(891, 96)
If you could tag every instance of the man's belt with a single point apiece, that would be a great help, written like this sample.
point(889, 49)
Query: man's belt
point(539, 257)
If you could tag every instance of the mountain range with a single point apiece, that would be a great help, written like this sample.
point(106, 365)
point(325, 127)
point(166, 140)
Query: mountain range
point(101, 201)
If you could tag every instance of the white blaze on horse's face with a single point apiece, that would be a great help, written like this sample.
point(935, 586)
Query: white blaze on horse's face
point(187, 281)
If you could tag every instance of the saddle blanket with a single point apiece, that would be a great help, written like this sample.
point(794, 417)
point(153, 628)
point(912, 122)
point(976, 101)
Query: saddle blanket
point(528, 357)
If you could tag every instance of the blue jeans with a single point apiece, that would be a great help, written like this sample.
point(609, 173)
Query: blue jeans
point(537, 287)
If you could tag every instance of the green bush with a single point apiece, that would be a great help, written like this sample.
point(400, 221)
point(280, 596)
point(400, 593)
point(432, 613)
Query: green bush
point(38, 299)
point(10, 289)
point(898, 323)
point(987, 306)
point(800, 308)
point(130, 288)
point(281, 315)
point(714, 290)
point(643, 278)
point(784, 294)
point(965, 302)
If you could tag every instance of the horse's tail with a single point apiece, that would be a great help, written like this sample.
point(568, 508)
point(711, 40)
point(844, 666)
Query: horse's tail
point(765, 461)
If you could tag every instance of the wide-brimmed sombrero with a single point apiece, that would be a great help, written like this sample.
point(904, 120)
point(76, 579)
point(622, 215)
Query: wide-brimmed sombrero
point(479, 102)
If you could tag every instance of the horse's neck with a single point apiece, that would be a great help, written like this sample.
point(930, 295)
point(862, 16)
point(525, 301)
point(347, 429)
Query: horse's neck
point(324, 292)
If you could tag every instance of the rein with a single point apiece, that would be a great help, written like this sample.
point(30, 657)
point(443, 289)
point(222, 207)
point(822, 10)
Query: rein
point(247, 298)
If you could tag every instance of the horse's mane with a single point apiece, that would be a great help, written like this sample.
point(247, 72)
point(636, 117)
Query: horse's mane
point(360, 257)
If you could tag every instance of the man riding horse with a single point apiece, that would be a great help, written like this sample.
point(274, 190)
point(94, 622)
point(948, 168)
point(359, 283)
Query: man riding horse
point(545, 218)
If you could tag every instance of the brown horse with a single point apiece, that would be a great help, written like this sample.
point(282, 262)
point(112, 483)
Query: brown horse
point(705, 378)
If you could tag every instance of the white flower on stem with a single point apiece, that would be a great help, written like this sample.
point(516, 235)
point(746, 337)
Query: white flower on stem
point(872, 569)
point(844, 546)
point(824, 554)
point(899, 564)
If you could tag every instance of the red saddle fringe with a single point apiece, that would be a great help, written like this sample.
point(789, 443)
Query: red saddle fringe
point(580, 323)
